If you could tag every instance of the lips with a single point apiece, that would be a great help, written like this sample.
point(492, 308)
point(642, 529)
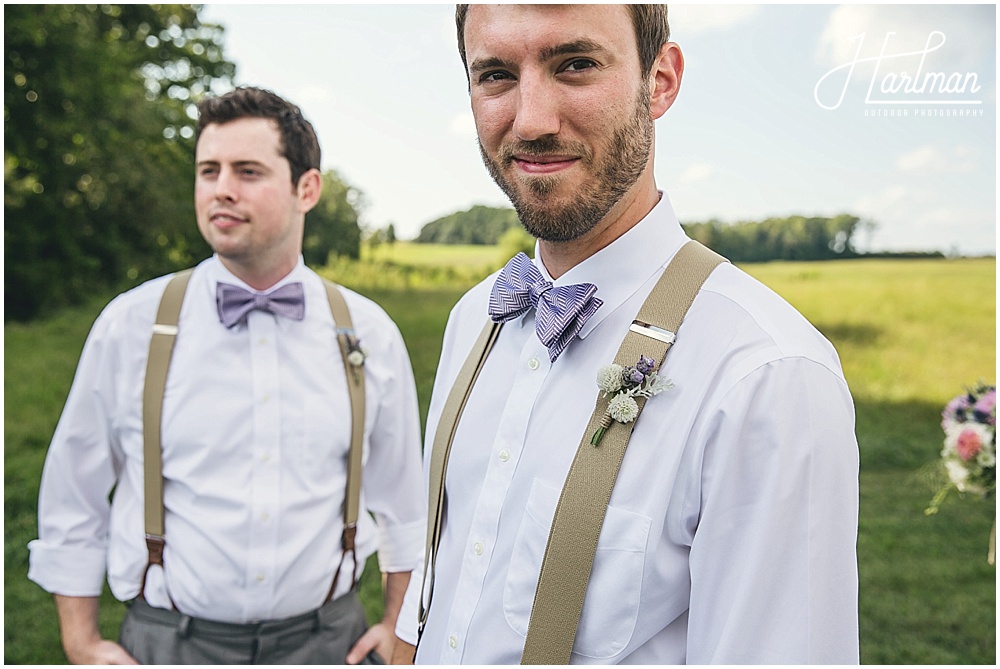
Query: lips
point(226, 219)
point(543, 164)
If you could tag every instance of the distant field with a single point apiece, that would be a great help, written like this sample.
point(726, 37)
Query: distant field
point(468, 256)
point(910, 334)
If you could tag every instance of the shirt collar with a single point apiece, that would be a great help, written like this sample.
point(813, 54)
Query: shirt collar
point(217, 273)
point(622, 267)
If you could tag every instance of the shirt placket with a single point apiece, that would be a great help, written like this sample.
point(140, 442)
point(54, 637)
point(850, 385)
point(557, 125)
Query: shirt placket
point(266, 458)
point(533, 366)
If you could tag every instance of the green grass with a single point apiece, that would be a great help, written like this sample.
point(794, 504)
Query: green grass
point(468, 256)
point(911, 335)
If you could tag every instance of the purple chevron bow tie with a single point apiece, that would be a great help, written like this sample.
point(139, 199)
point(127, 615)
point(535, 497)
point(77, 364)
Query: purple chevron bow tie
point(235, 303)
point(561, 311)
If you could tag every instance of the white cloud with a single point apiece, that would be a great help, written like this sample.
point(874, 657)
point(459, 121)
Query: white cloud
point(968, 30)
point(961, 158)
point(691, 20)
point(463, 125)
point(695, 173)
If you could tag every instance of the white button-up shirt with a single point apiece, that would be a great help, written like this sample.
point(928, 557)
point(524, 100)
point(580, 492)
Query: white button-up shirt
point(730, 536)
point(256, 429)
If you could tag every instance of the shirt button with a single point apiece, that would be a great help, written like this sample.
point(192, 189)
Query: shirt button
point(265, 399)
point(262, 341)
point(533, 364)
point(453, 641)
point(264, 517)
point(478, 548)
point(260, 578)
point(264, 457)
point(503, 455)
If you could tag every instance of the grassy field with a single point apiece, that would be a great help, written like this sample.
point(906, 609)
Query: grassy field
point(911, 335)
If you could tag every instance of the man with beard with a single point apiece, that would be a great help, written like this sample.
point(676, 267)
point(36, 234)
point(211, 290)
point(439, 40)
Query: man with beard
point(730, 532)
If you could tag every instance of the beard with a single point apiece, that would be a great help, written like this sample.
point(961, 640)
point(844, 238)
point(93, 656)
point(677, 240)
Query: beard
point(628, 151)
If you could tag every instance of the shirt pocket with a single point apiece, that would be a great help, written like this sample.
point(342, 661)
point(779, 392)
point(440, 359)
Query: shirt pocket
point(611, 606)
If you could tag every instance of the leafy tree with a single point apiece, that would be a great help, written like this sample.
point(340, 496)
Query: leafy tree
point(98, 146)
point(332, 225)
point(478, 225)
point(791, 238)
point(514, 241)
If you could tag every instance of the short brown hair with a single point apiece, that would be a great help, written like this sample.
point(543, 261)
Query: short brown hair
point(652, 31)
point(299, 144)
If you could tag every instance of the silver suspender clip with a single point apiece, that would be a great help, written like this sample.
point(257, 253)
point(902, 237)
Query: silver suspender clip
point(653, 332)
point(161, 329)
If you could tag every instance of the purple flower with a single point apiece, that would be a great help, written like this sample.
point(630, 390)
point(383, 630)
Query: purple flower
point(632, 377)
point(956, 408)
point(985, 408)
point(645, 365)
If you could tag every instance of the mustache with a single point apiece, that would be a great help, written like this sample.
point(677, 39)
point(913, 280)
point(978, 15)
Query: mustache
point(543, 146)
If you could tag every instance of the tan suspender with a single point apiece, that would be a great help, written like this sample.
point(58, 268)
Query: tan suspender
point(161, 348)
point(579, 515)
point(576, 526)
point(443, 437)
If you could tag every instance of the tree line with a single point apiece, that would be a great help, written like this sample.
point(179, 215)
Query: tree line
point(99, 125)
point(790, 238)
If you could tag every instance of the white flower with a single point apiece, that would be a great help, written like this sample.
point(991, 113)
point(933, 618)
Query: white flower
point(356, 358)
point(623, 408)
point(986, 458)
point(609, 378)
point(957, 473)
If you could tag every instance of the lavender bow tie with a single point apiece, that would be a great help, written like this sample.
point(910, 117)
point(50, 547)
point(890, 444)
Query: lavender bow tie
point(235, 303)
point(560, 311)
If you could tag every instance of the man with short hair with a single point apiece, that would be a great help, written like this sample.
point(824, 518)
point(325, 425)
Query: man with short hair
point(256, 429)
point(729, 536)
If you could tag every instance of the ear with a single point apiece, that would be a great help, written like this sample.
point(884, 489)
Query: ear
point(309, 189)
point(665, 79)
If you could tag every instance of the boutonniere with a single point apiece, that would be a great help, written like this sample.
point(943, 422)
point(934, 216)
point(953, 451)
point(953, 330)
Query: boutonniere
point(355, 354)
point(626, 383)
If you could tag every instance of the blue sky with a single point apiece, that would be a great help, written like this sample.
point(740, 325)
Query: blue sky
point(748, 137)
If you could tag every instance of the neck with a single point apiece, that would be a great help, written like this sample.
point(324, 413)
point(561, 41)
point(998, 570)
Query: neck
point(561, 257)
point(257, 277)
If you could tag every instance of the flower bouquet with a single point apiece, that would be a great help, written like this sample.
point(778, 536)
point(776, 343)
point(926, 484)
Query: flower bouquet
point(969, 455)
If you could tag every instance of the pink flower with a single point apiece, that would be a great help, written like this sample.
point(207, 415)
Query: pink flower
point(986, 406)
point(969, 444)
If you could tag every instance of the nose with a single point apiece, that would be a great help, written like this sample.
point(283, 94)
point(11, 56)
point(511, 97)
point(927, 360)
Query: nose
point(226, 186)
point(537, 111)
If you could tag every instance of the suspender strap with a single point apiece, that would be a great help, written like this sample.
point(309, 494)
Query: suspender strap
point(443, 437)
point(353, 370)
point(161, 347)
point(579, 515)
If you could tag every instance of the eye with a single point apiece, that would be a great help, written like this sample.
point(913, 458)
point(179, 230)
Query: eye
point(579, 65)
point(494, 76)
point(207, 172)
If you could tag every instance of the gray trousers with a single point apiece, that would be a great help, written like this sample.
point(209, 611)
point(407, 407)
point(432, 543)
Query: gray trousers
point(323, 636)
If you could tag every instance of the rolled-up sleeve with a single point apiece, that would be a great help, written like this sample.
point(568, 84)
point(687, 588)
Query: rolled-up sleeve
point(70, 555)
point(392, 479)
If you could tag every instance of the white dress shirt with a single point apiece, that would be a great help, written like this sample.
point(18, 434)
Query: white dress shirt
point(730, 537)
point(256, 429)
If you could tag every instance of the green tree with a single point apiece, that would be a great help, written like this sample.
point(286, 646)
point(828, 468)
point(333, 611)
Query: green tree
point(98, 145)
point(478, 225)
point(332, 225)
point(514, 241)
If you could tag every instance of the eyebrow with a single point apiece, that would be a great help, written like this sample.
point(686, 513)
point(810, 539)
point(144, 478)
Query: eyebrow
point(579, 46)
point(575, 47)
point(236, 163)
